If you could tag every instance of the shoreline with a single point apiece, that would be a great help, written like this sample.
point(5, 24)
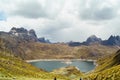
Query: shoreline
point(36, 60)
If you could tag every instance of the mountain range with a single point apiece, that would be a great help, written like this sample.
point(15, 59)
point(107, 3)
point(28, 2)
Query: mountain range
point(19, 45)
point(25, 44)
point(111, 41)
point(25, 35)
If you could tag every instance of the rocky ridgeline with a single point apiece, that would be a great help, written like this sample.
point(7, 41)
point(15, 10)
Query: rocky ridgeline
point(22, 34)
point(111, 41)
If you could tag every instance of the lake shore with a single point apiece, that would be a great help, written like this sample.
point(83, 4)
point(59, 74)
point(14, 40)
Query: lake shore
point(36, 60)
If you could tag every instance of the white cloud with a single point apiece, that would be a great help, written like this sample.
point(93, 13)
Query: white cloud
point(63, 20)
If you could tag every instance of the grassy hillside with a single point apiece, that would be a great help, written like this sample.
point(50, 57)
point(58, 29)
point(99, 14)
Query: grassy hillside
point(12, 68)
point(108, 69)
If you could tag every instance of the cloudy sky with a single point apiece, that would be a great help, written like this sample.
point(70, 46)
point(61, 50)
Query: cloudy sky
point(62, 20)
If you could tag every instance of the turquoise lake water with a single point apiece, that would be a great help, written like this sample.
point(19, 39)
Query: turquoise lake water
point(83, 66)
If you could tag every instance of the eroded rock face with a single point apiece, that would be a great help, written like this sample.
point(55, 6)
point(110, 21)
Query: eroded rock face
point(24, 34)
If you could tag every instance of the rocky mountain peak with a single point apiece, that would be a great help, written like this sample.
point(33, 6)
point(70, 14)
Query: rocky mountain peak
point(18, 30)
point(93, 38)
point(32, 33)
point(24, 34)
point(112, 40)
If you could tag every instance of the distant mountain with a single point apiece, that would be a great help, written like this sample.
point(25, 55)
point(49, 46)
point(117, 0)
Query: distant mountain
point(111, 41)
point(43, 40)
point(25, 44)
point(90, 40)
point(71, 43)
point(93, 39)
point(22, 34)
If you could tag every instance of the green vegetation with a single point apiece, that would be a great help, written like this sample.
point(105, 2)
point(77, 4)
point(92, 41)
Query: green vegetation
point(108, 69)
point(13, 68)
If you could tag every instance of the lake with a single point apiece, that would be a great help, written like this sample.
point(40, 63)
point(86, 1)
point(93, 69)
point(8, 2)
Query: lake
point(83, 66)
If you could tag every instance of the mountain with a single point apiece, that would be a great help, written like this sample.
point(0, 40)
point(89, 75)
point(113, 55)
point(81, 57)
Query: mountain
point(43, 40)
point(71, 43)
point(20, 44)
point(23, 34)
point(25, 44)
point(90, 40)
point(111, 41)
point(93, 39)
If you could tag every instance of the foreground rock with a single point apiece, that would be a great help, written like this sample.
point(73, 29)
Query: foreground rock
point(69, 71)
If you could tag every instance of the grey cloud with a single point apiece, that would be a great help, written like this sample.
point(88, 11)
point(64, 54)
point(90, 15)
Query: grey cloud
point(29, 9)
point(54, 30)
point(98, 14)
point(55, 26)
point(96, 11)
point(36, 9)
